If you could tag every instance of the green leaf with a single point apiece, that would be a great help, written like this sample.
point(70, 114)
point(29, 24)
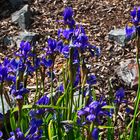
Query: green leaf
point(105, 127)
point(108, 107)
point(24, 107)
point(50, 106)
point(60, 99)
point(132, 121)
point(12, 122)
point(38, 106)
point(50, 132)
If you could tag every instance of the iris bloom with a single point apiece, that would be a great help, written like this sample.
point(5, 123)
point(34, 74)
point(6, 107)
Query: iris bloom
point(135, 14)
point(5, 71)
point(25, 48)
point(93, 111)
point(119, 97)
point(68, 17)
point(17, 135)
point(91, 80)
point(18, 94)
point(131, 29)
point(1, 134)
point(46, 62)
point(42, 101)
point(95, 133)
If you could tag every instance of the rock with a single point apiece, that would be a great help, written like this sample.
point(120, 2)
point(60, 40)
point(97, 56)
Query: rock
point(128, 72)
point(15, 3)
point(119, 36)
point(41, 1)
point(8, 41)
point(22, 17)
point(26, 36)
point(6, 106)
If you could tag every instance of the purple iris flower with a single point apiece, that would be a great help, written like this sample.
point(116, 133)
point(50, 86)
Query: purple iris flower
point(79, 30)
point(14, 63)
point(3, 72)
point(17, 65)
point(51, 44)
point(34, 130)
point(68, 13)
point(34, 133)
point(60, 88)
point(130, 31)
point(25, 48)
point(91, 80)
point(1, 117)
point(93, 112)
point(82, 40)
point(120, 93)
point(83, 111)
point(36, 122)
point(95, 133)
point(94, 105)
point(77, 80)
point(47, 62)
point(1, 134)
point(6, 72)
point(135, 14)
point(51, 49)
point(17, 135)
point(68, 33)
point(37, 63)
point(65, 51)
point(68, 17)
point(91, 117)
point(29, 68)
point(18, 94)
point(42, 101)
point(59, 46)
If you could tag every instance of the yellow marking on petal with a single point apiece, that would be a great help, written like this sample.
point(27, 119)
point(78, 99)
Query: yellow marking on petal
point(17, 58)
point(66, 42)
point(130, 24)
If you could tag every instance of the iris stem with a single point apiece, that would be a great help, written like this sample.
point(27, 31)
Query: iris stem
point(25, 85)
point(71, 102)
point(19, 116)
point(52, 86)
point(138, 91)
point(36, 88)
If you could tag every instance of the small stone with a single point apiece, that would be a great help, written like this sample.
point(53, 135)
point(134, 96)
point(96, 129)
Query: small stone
point(119, 36)
point(7, 41)
point(6, 106)
point(22, 17)
point(41, 1)
point(24, 21)
point(26, 36)
point(128, 72)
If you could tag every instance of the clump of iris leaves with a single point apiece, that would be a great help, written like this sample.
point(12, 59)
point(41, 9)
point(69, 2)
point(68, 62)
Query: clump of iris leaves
point(71, 111)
